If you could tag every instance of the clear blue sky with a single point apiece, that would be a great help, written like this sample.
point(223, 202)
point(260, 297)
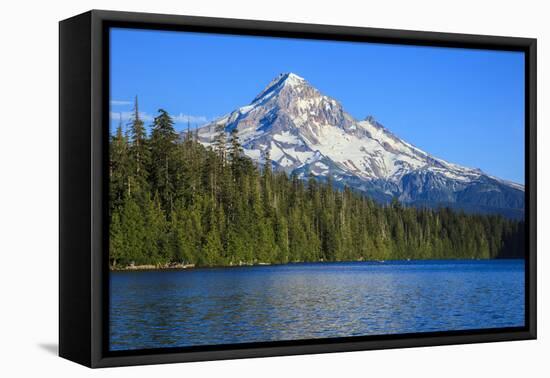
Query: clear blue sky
point(465, 106)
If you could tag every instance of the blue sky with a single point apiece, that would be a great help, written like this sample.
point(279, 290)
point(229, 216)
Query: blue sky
point(465, 106)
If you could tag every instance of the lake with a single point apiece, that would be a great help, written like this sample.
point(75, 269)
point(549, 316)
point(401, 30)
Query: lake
point(178, 308)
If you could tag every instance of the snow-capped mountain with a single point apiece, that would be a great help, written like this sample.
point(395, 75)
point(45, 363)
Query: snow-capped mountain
point(309, 133)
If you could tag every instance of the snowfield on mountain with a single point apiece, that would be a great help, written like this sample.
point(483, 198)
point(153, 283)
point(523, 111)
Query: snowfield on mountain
point(308, 133)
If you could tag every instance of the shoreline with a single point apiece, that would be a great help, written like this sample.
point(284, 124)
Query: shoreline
point(151, 267)
point(176, 267)
point(131, 268)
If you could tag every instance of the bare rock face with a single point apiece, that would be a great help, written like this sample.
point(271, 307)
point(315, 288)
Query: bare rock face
point(309, 133)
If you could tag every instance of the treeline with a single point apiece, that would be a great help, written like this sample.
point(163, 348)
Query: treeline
point(172, 200)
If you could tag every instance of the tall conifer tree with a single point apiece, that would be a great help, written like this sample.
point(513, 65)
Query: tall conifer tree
point(118, 167)
point(163, 148)
point(139, 152)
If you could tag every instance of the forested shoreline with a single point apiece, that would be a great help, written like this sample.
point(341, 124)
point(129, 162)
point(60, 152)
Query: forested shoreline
point(174, 201)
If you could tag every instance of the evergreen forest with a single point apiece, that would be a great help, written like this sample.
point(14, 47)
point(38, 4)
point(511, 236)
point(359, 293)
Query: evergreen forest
point(175, 201)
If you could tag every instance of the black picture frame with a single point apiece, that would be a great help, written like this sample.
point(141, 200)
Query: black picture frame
point(83, 227)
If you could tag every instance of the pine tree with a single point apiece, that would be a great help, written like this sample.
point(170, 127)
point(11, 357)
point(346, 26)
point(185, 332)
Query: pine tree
point(133, 229)
point(220, 143)
point(236, 150)
point(118, 168)
point(156, 240)
point(138, 151)
point(163, 149)
point(267, 163)
point(116, 240)
point(236, 154)
point(213, 248)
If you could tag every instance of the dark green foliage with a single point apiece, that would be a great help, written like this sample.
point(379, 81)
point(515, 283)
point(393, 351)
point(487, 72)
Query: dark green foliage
point(139, 153)
point(119, 169)
point(163, 169)
point(211, 207)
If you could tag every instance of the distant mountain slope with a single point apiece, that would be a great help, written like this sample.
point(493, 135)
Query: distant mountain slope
point(308, 133)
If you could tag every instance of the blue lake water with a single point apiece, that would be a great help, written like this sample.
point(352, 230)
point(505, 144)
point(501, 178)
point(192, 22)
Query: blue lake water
point(158, 309)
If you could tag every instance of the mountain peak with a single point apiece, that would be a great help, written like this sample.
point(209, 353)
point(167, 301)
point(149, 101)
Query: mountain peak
point(309, 133)
point(292, 78)
point(283, 80)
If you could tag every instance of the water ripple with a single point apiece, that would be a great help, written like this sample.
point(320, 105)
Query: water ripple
point(303, 301)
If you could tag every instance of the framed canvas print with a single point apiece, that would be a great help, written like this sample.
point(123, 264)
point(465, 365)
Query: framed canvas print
point(233, 188)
